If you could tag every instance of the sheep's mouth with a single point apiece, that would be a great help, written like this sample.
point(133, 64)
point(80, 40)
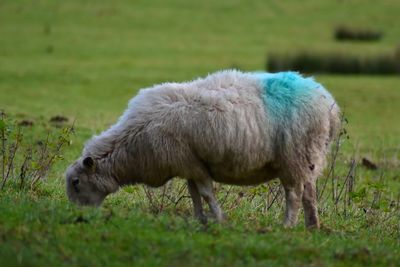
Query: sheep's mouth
point(84, 202)
point(95, 201)
point(76, 199)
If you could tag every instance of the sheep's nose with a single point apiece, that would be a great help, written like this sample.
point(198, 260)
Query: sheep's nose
point(75, 182)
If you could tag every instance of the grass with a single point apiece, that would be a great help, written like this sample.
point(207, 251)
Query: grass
point(85, 60)
point(55, 233)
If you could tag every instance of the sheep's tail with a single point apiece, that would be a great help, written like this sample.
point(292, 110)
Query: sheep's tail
point(335, 121)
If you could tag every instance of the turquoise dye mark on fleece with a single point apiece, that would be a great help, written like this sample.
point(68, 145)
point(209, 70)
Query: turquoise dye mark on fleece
point(285, 92)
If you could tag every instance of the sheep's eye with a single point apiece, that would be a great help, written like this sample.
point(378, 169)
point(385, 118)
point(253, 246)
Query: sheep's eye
point(75, 183)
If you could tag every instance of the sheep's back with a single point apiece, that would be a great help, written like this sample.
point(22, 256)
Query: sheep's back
point(237, 123)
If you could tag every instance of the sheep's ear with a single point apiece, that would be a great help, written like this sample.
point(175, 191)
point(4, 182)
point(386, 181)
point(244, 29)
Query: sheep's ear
point(89, 163)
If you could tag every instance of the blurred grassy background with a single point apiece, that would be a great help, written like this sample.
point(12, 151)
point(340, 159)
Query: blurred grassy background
point(86, 59)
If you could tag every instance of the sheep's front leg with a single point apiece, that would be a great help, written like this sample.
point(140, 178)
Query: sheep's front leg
point(205, 188)
point(310, 205)
point(197, 206)
point(293, 195)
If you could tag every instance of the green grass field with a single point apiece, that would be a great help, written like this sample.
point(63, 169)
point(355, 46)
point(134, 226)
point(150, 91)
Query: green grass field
point(86, 59)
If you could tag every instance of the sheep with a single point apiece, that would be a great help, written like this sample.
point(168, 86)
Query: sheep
point(230, 127)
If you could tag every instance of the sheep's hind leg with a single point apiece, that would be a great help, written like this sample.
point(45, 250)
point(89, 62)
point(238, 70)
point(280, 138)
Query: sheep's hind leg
point(293, 193)
point(197, 206)
point(205, 188)
point(310, 205)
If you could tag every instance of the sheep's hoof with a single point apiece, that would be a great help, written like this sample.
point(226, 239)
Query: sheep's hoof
point(312, 223)
point(215, 219)
point(223, 218)
point(220, 218)
point(313, 227)
point(289, 225)
point(202, 219)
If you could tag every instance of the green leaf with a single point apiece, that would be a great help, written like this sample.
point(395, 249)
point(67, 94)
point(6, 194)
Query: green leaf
point(377, 185)
point(2, 125)
point(359, 195)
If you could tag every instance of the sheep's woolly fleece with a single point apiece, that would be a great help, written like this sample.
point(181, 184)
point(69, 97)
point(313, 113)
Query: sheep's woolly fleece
point(233, 122)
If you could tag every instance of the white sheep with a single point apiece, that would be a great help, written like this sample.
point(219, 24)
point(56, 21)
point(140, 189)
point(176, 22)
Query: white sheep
point(230, 127)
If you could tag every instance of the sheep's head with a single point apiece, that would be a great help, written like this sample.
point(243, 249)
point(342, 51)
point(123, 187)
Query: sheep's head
point(85, 183)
